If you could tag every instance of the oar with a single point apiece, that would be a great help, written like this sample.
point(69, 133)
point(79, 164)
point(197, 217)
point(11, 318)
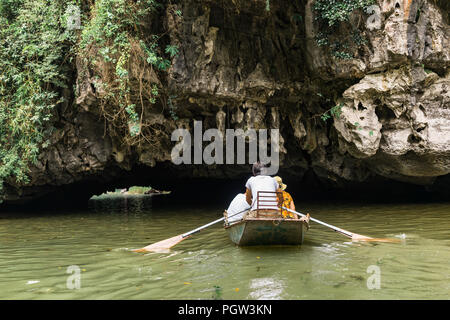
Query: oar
point(351, 235)
point(166, 244)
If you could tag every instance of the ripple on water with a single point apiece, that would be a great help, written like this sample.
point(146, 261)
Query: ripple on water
point(36, 251)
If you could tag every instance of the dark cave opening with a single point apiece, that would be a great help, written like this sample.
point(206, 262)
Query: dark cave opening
point(186, 189)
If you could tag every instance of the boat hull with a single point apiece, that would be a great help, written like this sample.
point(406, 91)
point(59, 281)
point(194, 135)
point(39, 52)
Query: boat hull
point(266, 231)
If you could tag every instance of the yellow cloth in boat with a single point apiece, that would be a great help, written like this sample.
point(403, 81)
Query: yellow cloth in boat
point(287, 200)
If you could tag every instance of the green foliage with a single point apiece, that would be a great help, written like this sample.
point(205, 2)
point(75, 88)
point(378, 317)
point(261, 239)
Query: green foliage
point(36, 53)
point(138, 190)
point(112, 22)
point(330, 14)
point(333, 112)
point(336, 11)
point(172, 50)
point(153, 56)
point(357, 126)
point(34, 50)
point(342, 55)
point(172, 108)
point(9, 9)
point(116, 33)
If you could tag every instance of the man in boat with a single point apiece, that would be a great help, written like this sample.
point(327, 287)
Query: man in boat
point(237, 209)
point(285, 199)
point(261, 182)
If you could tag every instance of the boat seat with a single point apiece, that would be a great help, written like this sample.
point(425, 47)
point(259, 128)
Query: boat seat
point(266, 201)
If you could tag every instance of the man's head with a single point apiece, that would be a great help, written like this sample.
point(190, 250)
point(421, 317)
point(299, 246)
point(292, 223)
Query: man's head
point(258, 168)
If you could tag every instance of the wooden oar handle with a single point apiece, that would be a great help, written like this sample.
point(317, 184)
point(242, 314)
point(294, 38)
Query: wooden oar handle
point(187, 234)
point(342, 231)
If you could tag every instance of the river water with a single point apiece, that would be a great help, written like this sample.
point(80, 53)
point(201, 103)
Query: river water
point(86, 255)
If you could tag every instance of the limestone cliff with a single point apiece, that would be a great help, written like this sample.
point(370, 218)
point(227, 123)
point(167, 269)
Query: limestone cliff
point(242, 66)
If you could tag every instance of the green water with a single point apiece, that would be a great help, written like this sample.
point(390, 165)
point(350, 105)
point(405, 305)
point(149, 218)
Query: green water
point(37, 249)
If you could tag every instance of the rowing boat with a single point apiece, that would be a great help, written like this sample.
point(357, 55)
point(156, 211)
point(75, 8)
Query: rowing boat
point(267, 231)
point(265, 225)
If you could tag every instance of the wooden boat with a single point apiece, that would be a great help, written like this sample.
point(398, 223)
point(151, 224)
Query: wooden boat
point(267, 231)
point(266, 227)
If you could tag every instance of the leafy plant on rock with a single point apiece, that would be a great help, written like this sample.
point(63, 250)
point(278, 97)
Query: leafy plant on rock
point(126, 58)
point(331, 15)
point(35, 51)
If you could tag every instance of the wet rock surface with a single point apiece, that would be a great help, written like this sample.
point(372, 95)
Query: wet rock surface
point(242, 67)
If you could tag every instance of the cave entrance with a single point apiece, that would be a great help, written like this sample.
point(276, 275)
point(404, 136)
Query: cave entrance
point(193, 186)
point(171, 192)
point(164, 184)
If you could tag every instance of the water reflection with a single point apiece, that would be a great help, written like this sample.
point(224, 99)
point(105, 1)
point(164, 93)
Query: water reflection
point(36, 250)
point(266, 289)
point(121, 202)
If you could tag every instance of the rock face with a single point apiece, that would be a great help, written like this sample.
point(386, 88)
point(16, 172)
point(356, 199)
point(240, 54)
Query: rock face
point(241, 66)
point(400, 120)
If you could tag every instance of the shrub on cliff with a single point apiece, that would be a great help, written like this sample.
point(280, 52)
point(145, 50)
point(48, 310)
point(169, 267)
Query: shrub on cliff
point(34, 50)
point(119, 44)
point(331, 15)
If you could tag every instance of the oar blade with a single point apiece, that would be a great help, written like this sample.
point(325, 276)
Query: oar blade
point(162, 246)
point(388, 240)
point(358, 237)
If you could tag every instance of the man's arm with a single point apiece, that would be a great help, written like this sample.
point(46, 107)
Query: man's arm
point(248, 196)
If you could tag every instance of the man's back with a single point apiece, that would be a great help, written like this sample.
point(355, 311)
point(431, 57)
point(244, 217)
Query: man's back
point(262, 183)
